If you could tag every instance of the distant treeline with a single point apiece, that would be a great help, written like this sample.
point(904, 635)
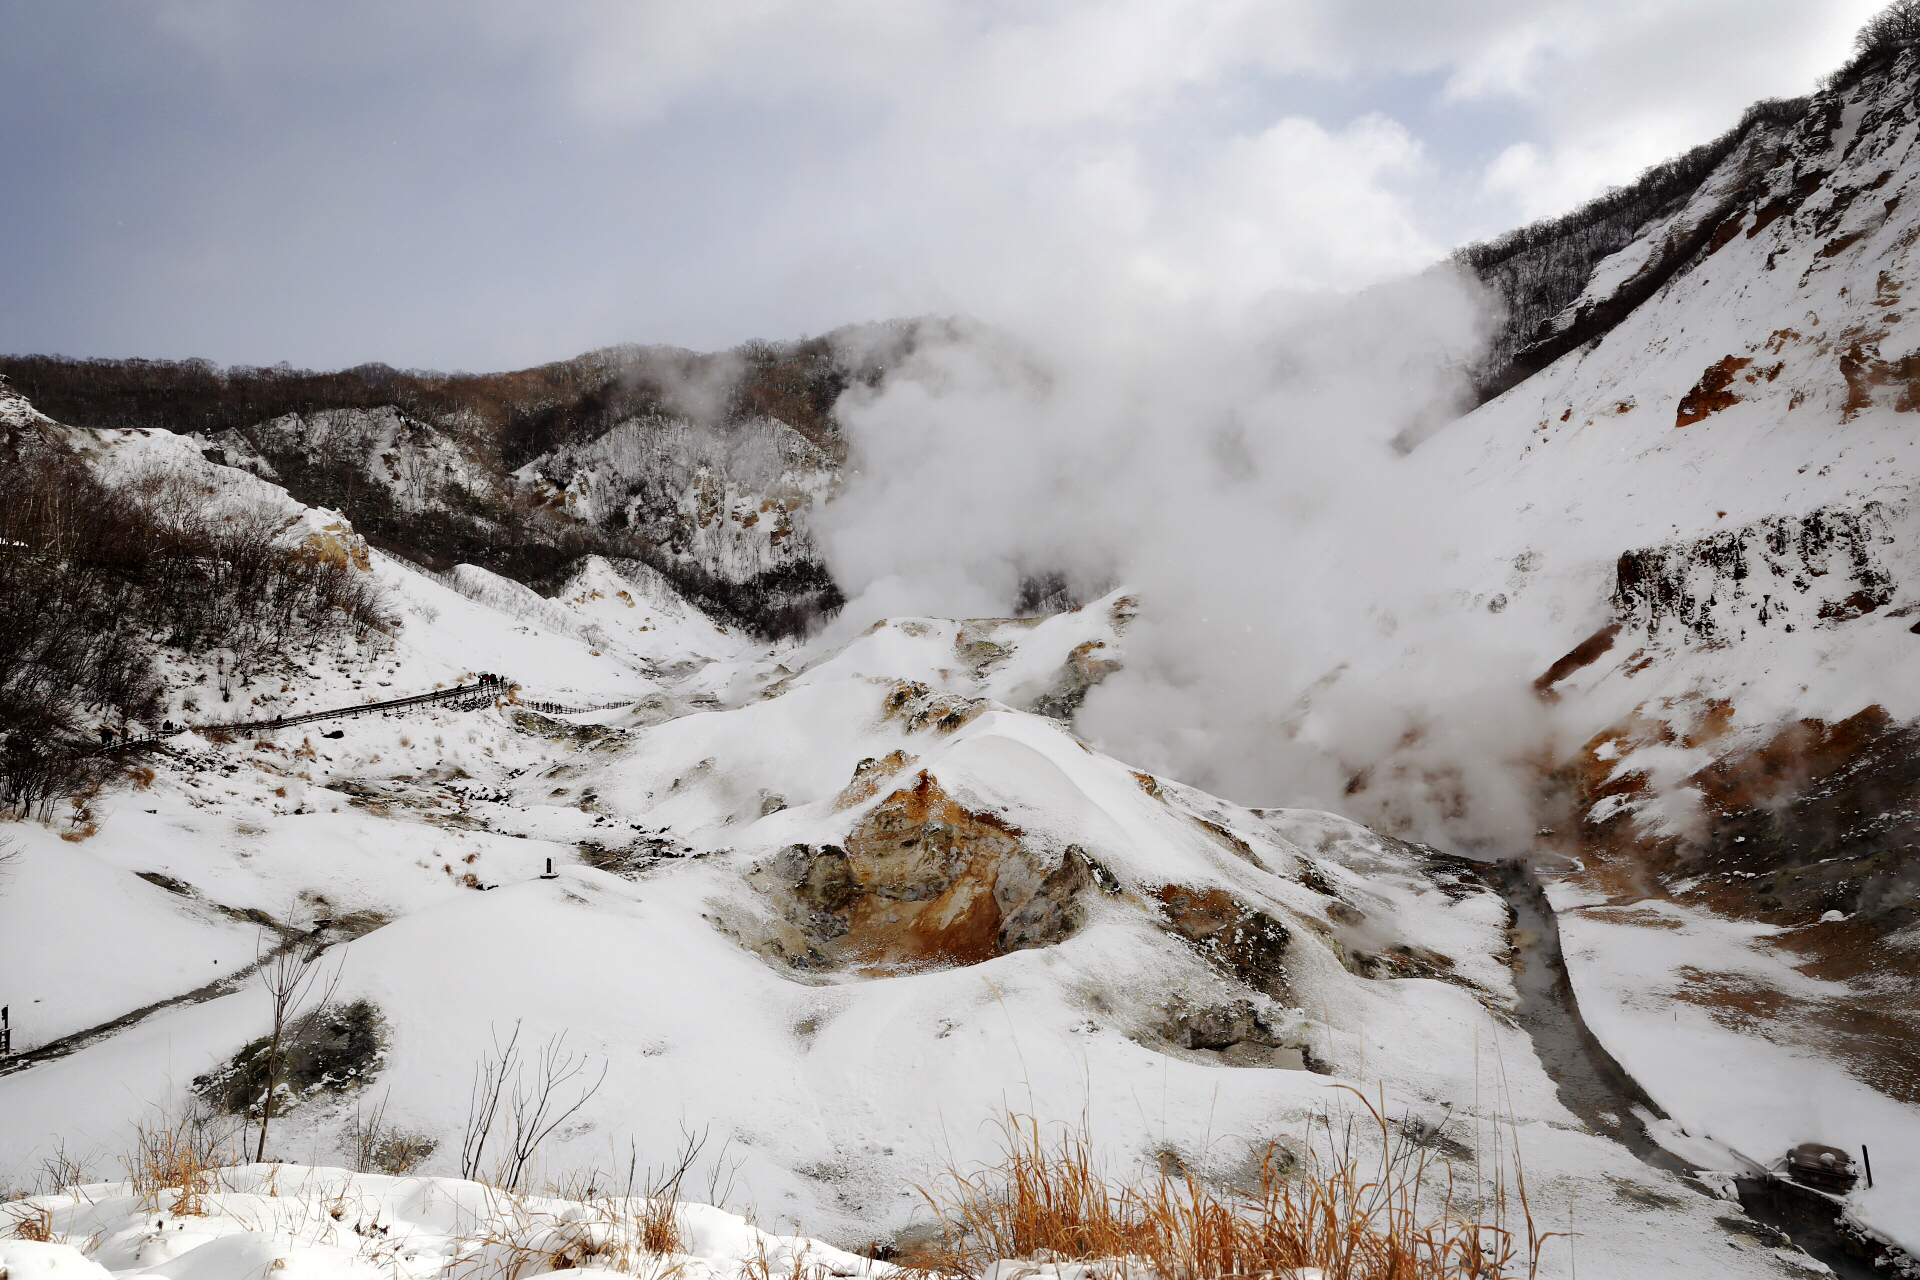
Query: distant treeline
point(520, 415)
point(507, 419)
point(96, 582)
point(1541, 269)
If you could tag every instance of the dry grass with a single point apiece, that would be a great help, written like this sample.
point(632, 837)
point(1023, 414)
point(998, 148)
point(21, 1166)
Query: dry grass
point(795, 1266)
point(1354, 1217)
point(631, 1236)
point(625, 1221)
point(26, 1222)
point(374, 1146)
point(179, 1154)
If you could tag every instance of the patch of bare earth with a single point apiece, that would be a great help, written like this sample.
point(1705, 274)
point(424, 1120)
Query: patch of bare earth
point(1815, 829)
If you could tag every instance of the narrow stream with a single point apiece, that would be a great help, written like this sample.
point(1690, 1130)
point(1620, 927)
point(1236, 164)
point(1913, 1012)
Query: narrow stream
point(1593, 1085)
point(1590, 1082)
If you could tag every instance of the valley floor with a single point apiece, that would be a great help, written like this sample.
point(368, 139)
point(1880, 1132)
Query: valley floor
point(837, 914)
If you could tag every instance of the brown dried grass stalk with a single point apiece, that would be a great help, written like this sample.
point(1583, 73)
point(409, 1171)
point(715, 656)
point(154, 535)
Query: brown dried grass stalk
point(178, 1154)
point(27, 1222)
point(1354, 1218)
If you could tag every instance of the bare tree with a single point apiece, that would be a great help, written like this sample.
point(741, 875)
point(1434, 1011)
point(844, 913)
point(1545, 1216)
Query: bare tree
point(1896, 25)
point(522, 1094)
point(299, 989)
point(490, 1076)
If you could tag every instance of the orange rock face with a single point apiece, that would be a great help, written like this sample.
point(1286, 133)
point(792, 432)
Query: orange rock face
point(924, 880)
point(1712, 393)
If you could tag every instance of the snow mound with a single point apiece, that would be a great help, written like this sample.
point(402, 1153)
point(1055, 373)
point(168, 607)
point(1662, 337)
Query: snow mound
point(314, 1223)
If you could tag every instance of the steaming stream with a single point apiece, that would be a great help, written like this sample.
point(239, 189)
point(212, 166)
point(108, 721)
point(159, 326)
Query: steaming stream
point(1590, 1082)
point(1593, 1085)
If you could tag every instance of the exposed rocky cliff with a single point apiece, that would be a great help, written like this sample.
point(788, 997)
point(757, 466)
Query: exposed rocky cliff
point(701, 465)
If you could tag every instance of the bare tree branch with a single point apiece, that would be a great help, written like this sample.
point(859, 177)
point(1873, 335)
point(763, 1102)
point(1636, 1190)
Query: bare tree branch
point(524, 1096)
point(299, 989)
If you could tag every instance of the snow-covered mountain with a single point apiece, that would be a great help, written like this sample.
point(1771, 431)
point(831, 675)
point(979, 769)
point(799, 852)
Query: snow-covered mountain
point(729, 501)
point(836, 905)
point(845, 903)
point(702, 465)
point(1702, 524)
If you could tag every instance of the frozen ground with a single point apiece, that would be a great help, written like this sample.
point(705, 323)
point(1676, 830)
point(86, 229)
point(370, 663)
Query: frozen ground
point(675, 946)
point(310, 1223)
point(1681, 997)
point(845, 908)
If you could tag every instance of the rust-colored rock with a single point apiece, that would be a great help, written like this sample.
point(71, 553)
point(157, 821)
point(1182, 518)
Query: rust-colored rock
point(1712, 393)
point(1248, 943)
point(336, 544)
point(916, 706)
point(924, 880)
point(1087, 665)
point(1581, 655)
point(1866, 372)
point(869, 776)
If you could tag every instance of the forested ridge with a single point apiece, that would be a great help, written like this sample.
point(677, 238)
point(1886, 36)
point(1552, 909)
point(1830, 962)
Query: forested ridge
point(500, 421)
point(97, 583)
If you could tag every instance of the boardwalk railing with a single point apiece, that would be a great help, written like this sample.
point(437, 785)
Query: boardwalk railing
point(479, 693)
point(466, 697)
point(463, 697)
point(562, 709)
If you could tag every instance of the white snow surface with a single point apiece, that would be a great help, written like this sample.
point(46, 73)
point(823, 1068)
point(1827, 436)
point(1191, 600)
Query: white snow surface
point(838, 1092)
point(320, 1223)
point(1603, 452)
point(1748, 1087)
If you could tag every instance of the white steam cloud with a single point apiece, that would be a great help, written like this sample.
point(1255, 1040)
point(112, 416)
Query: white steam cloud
point(1244, 470)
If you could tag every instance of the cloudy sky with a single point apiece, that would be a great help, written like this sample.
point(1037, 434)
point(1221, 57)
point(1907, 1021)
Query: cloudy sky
point(475, 185)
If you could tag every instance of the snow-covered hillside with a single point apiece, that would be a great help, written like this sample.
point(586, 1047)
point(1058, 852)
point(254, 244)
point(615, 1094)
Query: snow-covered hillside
point(418, 466)
point(842, 905)
point(732, 501)
point(1701, 524)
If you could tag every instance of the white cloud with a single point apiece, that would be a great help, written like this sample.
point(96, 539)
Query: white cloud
point(700, 173)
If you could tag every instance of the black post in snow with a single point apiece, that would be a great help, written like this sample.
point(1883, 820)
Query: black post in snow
point(1868, 1161)
point(6, 1032)
point(551, 874)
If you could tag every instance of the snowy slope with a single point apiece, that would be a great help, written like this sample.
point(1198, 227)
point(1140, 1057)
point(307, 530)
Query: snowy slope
point(845, 922)
point(313, 1222)
point(845, 907)
point(418, 465)
point(730, 499)
point(1701, 530)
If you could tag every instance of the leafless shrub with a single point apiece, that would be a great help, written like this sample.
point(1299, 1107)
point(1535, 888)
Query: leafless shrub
point(178, 1151)
point(1895, 26)
point(93, 577)
point(520, 1094)
point(298, 988)
point(374, 1146)
point(60, 1169)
